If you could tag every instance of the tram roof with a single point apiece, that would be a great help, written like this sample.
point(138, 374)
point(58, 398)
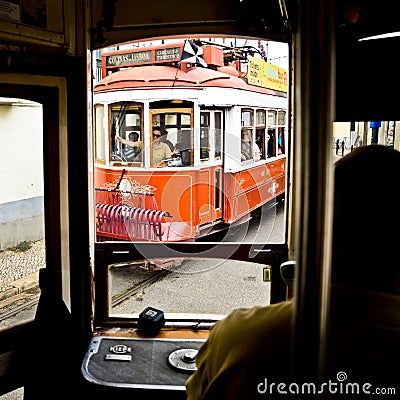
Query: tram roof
point(168, 76)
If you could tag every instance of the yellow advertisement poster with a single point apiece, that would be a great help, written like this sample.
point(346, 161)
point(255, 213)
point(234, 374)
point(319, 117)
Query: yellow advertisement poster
point(261, 73)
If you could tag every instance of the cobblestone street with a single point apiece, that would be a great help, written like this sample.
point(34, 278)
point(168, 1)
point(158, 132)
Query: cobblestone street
point(24, 265)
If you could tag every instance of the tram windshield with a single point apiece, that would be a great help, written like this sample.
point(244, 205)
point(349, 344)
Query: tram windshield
point(184, 286)
point(189, 152)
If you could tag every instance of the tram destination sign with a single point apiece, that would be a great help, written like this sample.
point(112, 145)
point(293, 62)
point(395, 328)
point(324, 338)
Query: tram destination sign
point(169, 54)
point(136, 57)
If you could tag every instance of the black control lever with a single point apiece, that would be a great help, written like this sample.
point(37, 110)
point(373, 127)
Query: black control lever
point(287, 270)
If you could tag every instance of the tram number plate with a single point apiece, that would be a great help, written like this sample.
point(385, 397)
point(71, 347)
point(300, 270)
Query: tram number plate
point(118, 357)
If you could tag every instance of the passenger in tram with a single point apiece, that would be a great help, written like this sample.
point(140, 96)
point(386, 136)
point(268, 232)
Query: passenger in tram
point(132, 141)
point(133, 153)
point(257, 152)
point(250, 348)
point(247, 148)
point(270, 146)
point(280, 139)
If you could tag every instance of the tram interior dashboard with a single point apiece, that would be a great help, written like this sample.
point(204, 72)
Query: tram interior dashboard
point(88, 337)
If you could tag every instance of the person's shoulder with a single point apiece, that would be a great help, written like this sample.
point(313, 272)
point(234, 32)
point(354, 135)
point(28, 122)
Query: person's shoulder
point(165, 145)
point(170, 145)
point(279, 310)
point(274, 316)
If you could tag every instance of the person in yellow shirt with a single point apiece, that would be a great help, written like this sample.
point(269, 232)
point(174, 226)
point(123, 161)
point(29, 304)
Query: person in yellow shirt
point(159, 150)
point(248, 354)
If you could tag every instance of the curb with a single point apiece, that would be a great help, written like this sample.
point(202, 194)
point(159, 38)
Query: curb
point(20, 285)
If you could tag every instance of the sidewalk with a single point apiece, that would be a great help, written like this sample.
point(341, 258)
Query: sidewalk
point(339, 154)
point(20, 285)
point(19, 271)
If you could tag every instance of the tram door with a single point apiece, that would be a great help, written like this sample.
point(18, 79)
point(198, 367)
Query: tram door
point(33, 173)
point(210, 178)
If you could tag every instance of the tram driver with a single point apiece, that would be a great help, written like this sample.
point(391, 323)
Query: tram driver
point(160, 151)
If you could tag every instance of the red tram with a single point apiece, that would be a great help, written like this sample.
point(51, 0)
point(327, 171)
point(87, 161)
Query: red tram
point(209, 113)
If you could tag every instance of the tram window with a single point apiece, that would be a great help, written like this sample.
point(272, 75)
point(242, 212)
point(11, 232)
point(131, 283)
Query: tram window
point(247, 149)
point(126, 123)
point(132, 121)
point(247, 117)
point(219, 199)
point(281, 132)
point(210, 135)
point(183, 145)
point(218, 134)
point(281, 118)
point(100, 148)
point(281, 141)
point(185, 120)
point(189, 280)
point(260, 132)
point(271, 150)
point(260, 118)
point(260, 141)
point(177, 123)
point(170, 119)
point(204, 136)
point(271, 136)
point(156, 120)
point(247, 146)
point(271, 118)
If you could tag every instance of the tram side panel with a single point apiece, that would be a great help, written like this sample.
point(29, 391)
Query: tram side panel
point(249, 189)
point(277, 174)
